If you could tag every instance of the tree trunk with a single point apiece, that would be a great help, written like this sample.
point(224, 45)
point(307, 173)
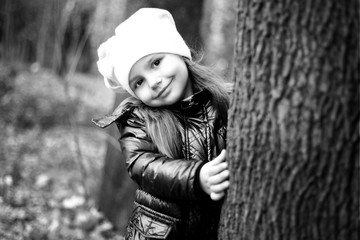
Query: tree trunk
point(293, 131)
point(116, 192)
point(117, 189)
point(218, 32)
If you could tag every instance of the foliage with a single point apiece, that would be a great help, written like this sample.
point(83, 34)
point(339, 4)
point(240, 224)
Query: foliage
point(43, 193)
point(25, 109)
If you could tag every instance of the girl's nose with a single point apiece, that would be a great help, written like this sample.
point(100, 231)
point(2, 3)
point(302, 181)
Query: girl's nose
point(154, 82)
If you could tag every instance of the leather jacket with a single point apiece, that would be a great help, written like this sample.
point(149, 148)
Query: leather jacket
point(169, 188)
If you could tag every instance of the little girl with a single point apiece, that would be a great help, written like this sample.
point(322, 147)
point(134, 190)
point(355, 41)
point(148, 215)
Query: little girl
point(172, 129)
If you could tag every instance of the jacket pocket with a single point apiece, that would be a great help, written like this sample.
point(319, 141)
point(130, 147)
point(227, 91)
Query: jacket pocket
point(145, 223)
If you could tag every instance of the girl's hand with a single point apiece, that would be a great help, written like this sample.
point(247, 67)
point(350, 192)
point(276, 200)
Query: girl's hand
point(214, 177)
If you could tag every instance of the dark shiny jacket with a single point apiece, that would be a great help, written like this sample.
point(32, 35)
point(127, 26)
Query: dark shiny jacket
point(171, 186)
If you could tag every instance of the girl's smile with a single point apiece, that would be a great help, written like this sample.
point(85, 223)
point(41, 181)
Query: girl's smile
point(160, 79)
point(161, 92)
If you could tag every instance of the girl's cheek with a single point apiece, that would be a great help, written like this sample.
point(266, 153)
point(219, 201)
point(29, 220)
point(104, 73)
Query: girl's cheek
point(146, 95)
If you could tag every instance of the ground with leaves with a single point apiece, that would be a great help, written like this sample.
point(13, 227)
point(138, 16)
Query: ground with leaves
point(51, 156)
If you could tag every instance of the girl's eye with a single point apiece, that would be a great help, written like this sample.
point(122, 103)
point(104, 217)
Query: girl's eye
point(156, 62)
point(138, 83)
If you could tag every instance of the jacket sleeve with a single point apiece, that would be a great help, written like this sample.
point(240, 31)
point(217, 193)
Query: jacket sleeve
point(169, 179)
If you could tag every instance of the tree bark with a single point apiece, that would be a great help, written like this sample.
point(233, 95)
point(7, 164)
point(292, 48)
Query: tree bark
point(293, 131)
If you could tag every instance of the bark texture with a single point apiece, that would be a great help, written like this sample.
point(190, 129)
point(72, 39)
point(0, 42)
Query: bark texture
point(293, 133)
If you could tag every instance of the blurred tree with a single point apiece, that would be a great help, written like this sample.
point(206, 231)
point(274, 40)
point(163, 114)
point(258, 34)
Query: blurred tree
point(218, 32)
point(49, 32)
point(73, 37)
point(17, 34)
point(293, 133)
point(117, 189)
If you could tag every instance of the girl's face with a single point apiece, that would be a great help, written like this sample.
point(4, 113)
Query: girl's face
point(160, 79)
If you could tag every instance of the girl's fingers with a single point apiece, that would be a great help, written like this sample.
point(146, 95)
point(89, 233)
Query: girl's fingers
point(220, 158)
point(217, 196)
point(220, 177)
point(214, 173)
point(220, 187)
point(216, 169)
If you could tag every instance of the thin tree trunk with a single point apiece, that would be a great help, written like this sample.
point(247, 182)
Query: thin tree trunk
point(293, 133)
point(42, 36)
point(8, 29)
point(218, 32)
point(116, 192)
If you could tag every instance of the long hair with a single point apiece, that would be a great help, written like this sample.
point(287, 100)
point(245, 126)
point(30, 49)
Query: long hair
point(204, 78)
point(163, 125)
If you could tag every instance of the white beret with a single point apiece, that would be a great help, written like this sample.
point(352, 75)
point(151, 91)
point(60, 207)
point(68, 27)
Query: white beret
point(147, 31)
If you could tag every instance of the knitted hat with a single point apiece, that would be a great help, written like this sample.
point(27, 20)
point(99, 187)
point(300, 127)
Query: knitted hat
point(148, 31)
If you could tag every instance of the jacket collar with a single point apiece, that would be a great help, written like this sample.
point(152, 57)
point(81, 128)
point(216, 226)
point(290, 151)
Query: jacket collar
point(123, 107)
point(196, 99)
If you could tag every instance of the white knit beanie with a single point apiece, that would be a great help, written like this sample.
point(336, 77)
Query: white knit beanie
point(148, 31)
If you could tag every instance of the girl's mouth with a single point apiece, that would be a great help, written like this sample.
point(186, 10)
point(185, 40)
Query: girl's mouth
point(163, 89)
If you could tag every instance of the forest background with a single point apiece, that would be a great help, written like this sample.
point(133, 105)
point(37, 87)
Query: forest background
point(53, 160)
